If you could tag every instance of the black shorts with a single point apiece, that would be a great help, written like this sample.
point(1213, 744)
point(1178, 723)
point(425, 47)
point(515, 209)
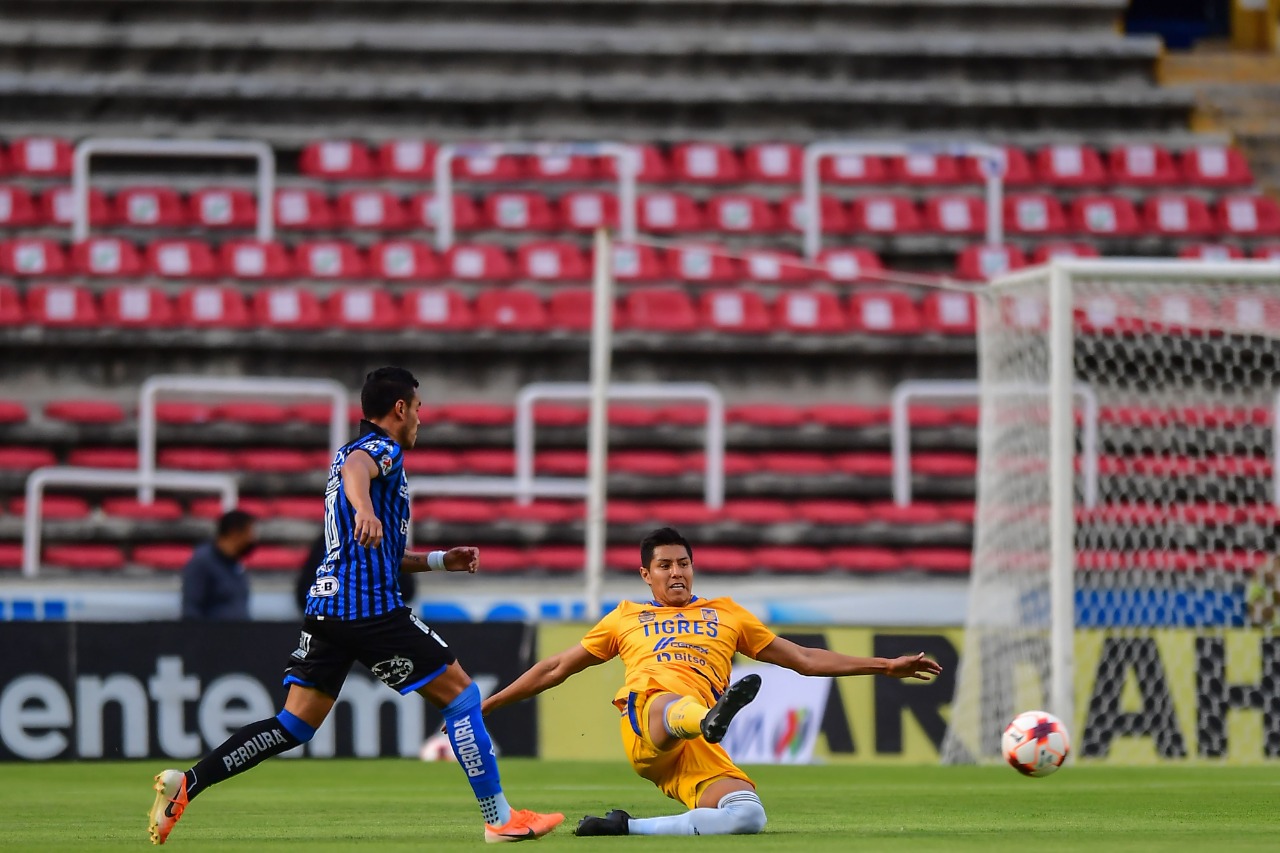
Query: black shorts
point(397, 647)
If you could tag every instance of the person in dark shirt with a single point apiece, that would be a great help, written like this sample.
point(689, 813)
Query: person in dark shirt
point(214, 585)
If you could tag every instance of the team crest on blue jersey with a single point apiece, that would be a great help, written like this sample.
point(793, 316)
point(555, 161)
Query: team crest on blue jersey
point(385, 464)
point(646, 616)
point(710, 615)
point(393, 672)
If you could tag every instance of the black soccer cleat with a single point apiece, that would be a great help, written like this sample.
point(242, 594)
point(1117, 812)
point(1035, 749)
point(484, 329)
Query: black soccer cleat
point(613, 823)
point(715, 725)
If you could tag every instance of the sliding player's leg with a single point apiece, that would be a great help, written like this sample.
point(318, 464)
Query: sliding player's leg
point(673, 717)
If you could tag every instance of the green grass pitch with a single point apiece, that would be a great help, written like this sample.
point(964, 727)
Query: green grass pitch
point(394, 805)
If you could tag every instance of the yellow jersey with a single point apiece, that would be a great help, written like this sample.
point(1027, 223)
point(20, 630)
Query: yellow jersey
point(685, 650)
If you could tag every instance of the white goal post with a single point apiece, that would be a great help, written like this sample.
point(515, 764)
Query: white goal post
point(1150, 622)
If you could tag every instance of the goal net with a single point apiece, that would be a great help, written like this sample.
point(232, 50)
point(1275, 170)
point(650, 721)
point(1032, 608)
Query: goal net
point(1127, 517)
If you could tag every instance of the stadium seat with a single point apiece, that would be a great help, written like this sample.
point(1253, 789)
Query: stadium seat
point(560, 414)
point(773, 162)
point(771, 267)
point(835, 219)
point(650, 165)
point(104, 457)
point(161, 509)
point(1070, 166)
point(766, 415)
point(1142, 165)
point(794, 463)
point(853, 169)
point(849, 265)
point(949, 313)
point(810, 311)
point(216, 207)
point(363, 308)
point(1106, 313)
point(1177, 312)
point(925, 169)
point(31, 256)
point(305, 210)
point(660, 310)
point(949, 561)
point(864, 559)
point(1211, 252)
point(831, 512)
point(431, 461)
point(587, 210)
point(883, 312)
point(1017, 168)
point(52, 507)
point(633, 416)
point(702, 264)
point(561, 463)
point(1177, 216)
point(84, 557)
point(329, 259)
point(705, 162)
point(275, 558)
point(552, 261)
point(884, 215)
point(1250, 313)
point(487, 167)
point(1046, 252)
point(106, 256)
point(375, 209)
point(543, 511)
point(847, 415)
point(735, 311)
point(137, 306)
point(458, 511)
point(424, 212)
point(336, 160)
point(571, 310)
point(1104, 216)
point(562, 167)
point(40, 157)
point(1249, 215)
point(1038, 213)
point(1267, 253)
point(253, 260)
point(751, 511)
point(25, 459)
point(56, 206)
point(161, 557)
point(11, 311)
point(635, 264)
point(519, 211)
point(945, 464)
point(182, 259)
point(147, 207)
point(63, 305)
point(292, 308)
point(791, 559)
point(403, 260)
point(406, 158)
point(739, 213)
point(213, 306)
point(723, 560)
point(497, 462)
point(211, 508)
point(669, 211)
point(1216, 166)
point(440, 308)
point(510, 310)
point(98, 412)
point(474, 414)
point(17, 208)
point(12, 412)
point(476, 262)
point(955, 214)
point(981, 262)
point(321, 413)
point(280, 460)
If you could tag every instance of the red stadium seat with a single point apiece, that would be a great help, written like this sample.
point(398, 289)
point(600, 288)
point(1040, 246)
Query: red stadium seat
point(723, 560)
point(1106, 313)
point(84, 411)
point(1211, 252)
point(883, 312)
point(635, 264)
point(25, 459)
point(766, 415)
point(29, 256)
point(212, 306)
point(424, 212)
point(56, 206)
point(306, 210)
point(1070, 166)
point(810, 311)
point(741, 214)
point(773, 162)
point(1038, 213)
point(833, 512)
point(636, 416)
point(478, 414)
point(1142, 165)
point(660, 310)
point(292, 308)
point(1017, 168)
point(422, 461)
point(872, 465)
point(847, 265)
point(772, 267)
point(11, 311)
point(497, 462)
point(510, 310)
point(520, 211)
point(52, 507)
point(93, 557)
point(377, 209)
point(561, 463)
point(949, 561)
point(1104, 216)
point(560, 415)
point(161, 509)
point(835, 219)
point(17, 208)
point(864, 558)
point(755, 512)
point(945, 464)
point(182, 259)
point(337, 160)
point(791, 559)
point(363, 308)
point(1177, 215)
point(1216, 166)
point(211, 508)
point(571, 310)
point(702, 264)
point(1267, 253)
point(949, 313)
point(106, 256)
point(161, 557)
point(884, 215)
point(279, 460)
point(275, 558)
point(459, 511)
point(705, 162)
point(486, 167)
point(1251, 313)
point(301, 508)
point(329, 259)
point(955, 214)
point(854, 169)
point(735, 311)
point(1046, 252)
point(40, 157)
point(403, 260)
point(553, 262)
point(475, 262)
point(650, 165)
point(981, 263)
point(12, 412)
point(62, 305)
point(150, 207)
point(253, 260)
point(562, 167)
point(588, 210)
point(1249, 215)
point(137, 306)
point(925, 169)
point(669, 211)
point(216, 207)
point(177, 412)
point(646, 463)
point(406, 158)
point(1179, 311)
point(440, 308)
point(847, 415)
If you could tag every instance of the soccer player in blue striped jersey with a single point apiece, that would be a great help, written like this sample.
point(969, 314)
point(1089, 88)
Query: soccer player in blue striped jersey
point(355, 613)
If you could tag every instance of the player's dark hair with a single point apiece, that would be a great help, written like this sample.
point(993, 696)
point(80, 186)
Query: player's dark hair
point(661, 536)
point(234, 521)
point(383, 388)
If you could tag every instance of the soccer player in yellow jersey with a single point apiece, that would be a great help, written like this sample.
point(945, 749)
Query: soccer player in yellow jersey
point(677, 703)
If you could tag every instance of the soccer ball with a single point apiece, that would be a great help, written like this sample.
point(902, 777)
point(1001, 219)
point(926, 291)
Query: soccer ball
point(1036, 743)
point(437, 748)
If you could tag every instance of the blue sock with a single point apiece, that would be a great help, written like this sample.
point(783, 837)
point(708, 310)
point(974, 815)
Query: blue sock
point(474, 750)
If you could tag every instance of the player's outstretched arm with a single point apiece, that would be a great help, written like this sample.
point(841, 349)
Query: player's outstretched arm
point(807, 661)
point(464, 558)
point(357, 473)
point(543, 675)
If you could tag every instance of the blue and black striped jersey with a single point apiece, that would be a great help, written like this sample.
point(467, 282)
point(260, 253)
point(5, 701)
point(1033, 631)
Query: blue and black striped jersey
point(355, 582)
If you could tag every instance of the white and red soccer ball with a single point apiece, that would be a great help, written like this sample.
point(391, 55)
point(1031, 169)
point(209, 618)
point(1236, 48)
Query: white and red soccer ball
point(1036, 743)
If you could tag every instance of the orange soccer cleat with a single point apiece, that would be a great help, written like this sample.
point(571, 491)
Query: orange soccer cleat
point(171, 801)
point(523, 826)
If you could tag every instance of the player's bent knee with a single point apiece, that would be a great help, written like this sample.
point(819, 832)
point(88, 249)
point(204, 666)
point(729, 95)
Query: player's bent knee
point(746, 812)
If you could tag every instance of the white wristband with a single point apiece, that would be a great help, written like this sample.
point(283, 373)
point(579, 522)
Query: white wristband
point(435, 561)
